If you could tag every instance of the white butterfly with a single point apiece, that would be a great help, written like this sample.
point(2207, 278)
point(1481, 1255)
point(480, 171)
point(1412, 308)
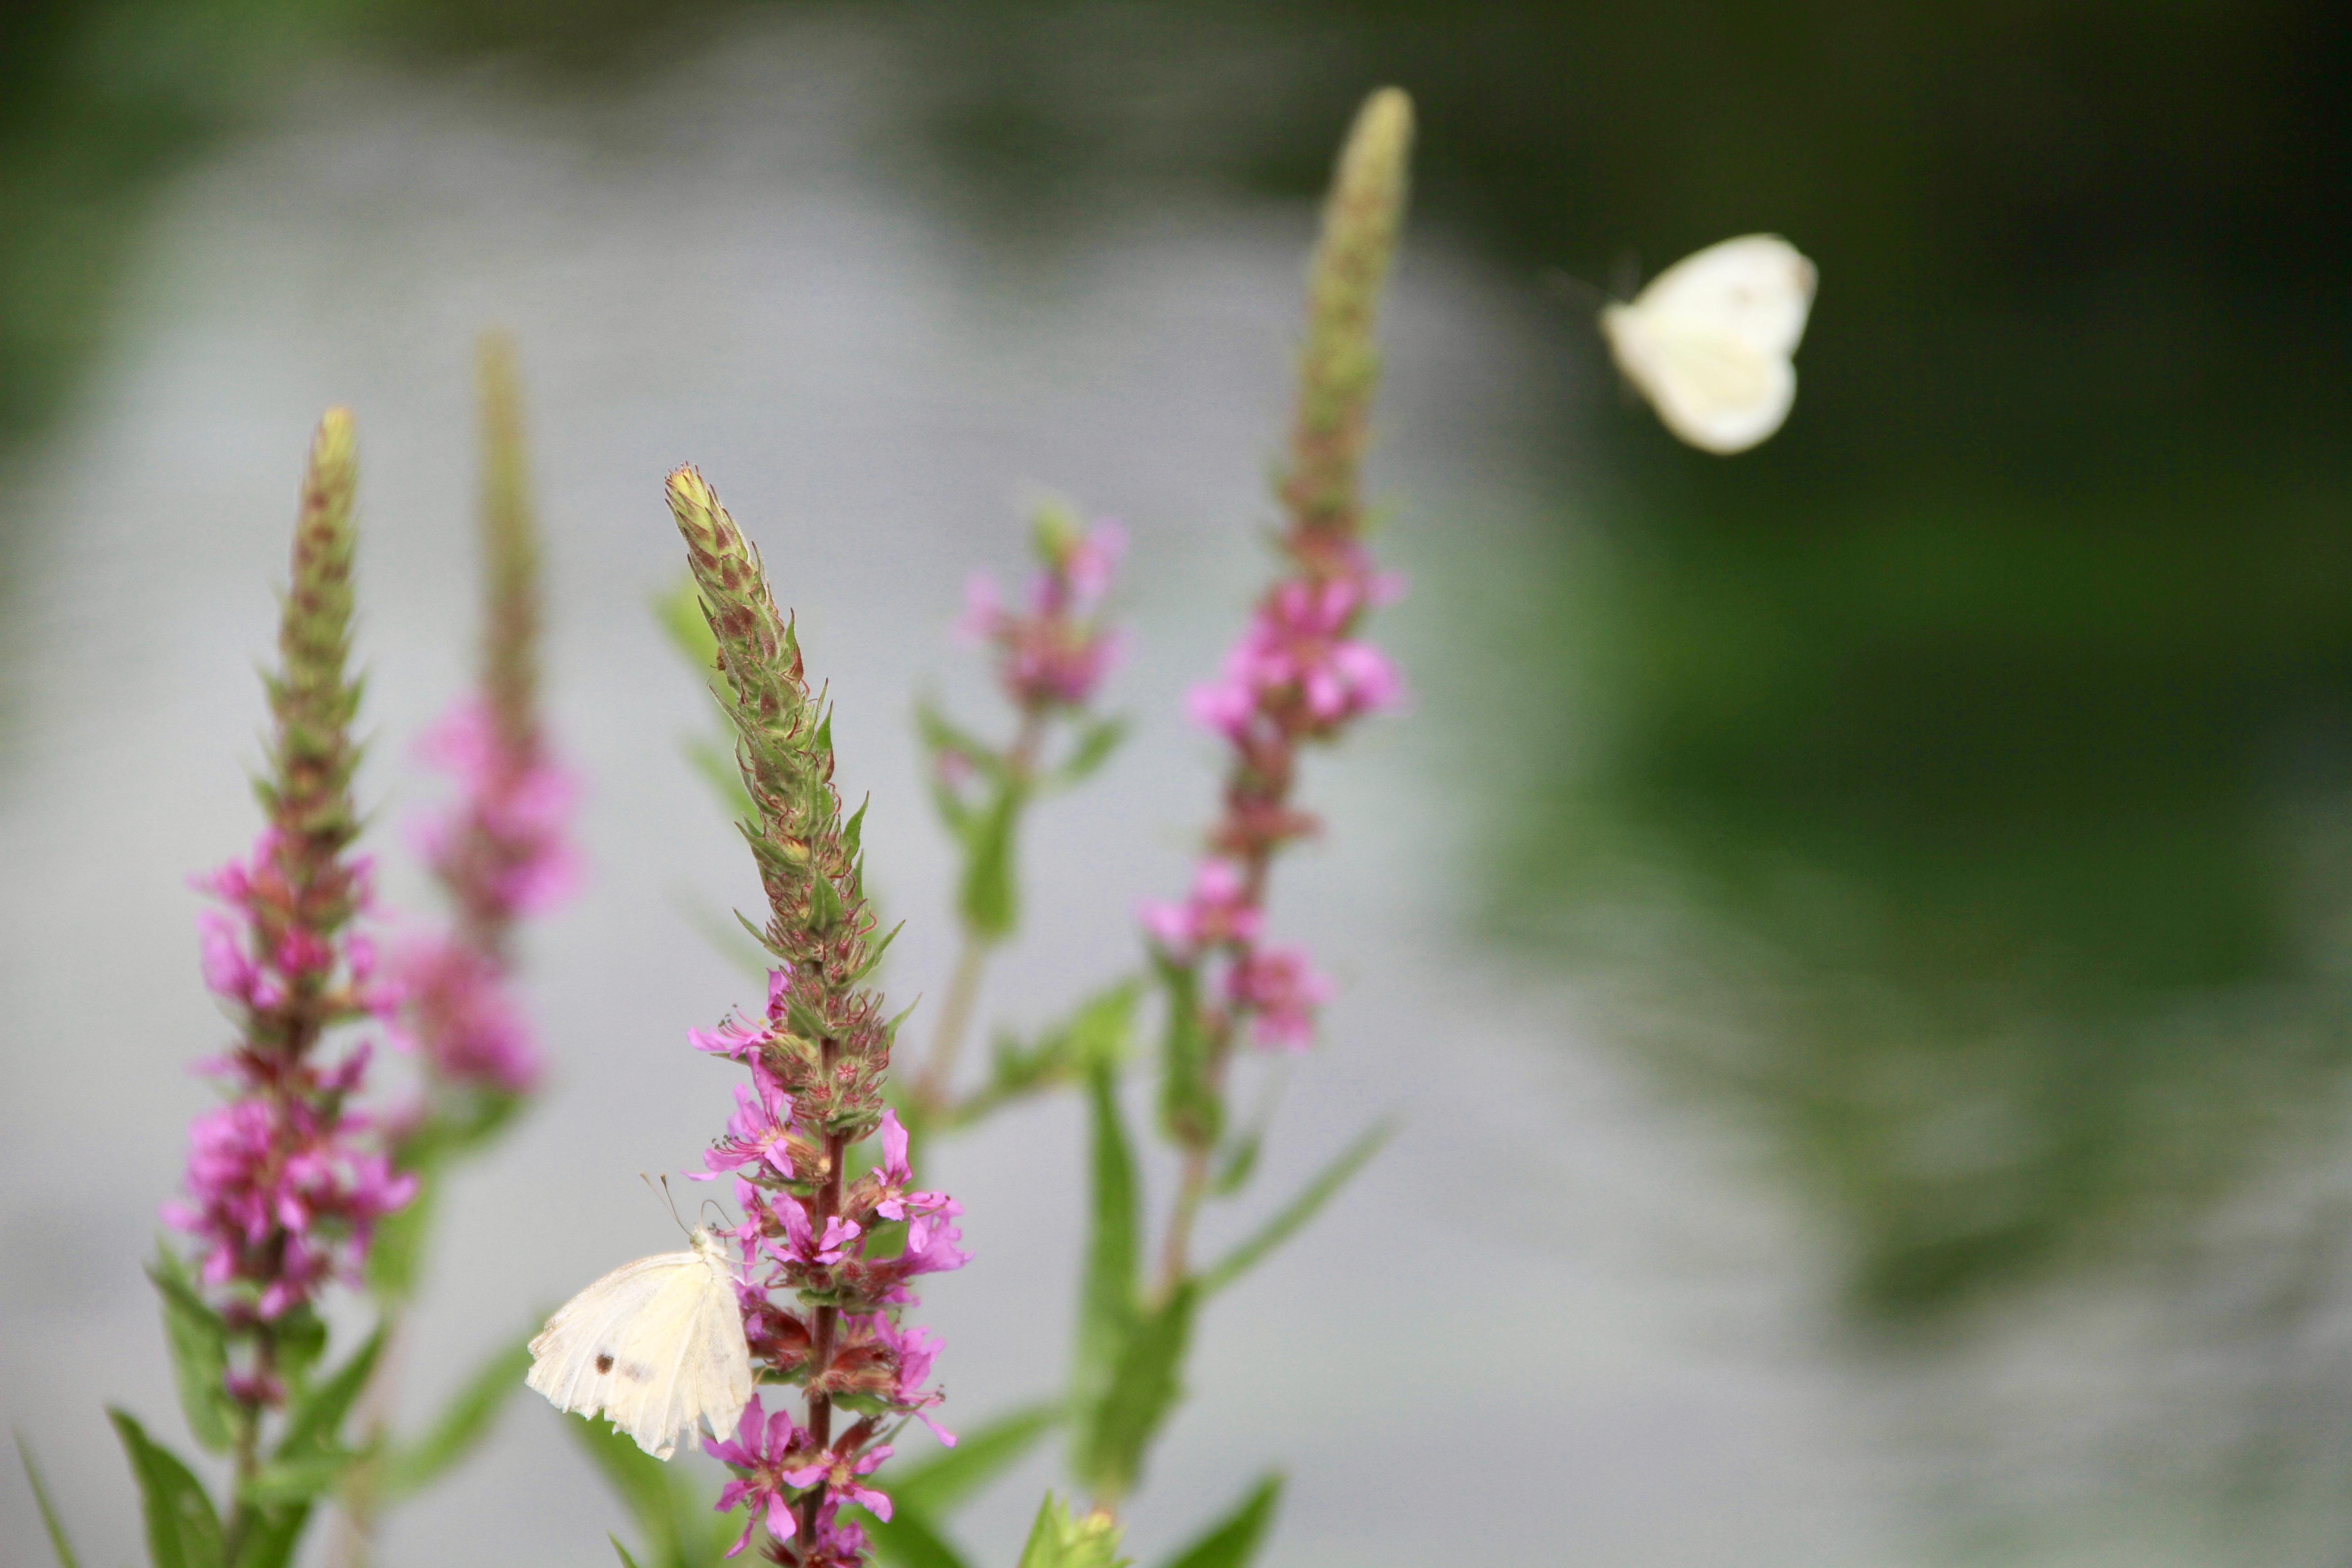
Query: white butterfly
point(1708, 340)
point(657, 1346)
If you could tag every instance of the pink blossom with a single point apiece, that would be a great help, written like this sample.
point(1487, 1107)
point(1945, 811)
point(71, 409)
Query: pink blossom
point(893, 1174)
point(1057, 652)
point(1281, 992)
point(503, 846)
point(930, 1248)
point(454, 1006)
point(739, 1038)
point(1297, 664)
point(839, 1543)
point(912, 1352)
point(282, 1193)
point(760, 1446)
point(759, 1133)
point(803, 1245)
point(1217, 913)
point(840, 1474)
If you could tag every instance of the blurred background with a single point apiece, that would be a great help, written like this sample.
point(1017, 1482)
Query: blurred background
point(1857, 933)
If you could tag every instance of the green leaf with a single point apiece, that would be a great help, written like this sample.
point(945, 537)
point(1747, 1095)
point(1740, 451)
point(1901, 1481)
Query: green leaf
point(199, 1345)
point(315, 1419)
point(395, 1254)
point(825, 902)
point(677, 1524)
point(296, 1480)
point(990, 902)
point(1299, 1211)
point(1059, 1540)
point(910, 1539)
point(1100, 1030)
point(981, 1453)
point(1233, 1540)
point(1144, 1387)
point(940, 733)
point(301, 1337)
point(874, 953)
point(270, 1536)
point(681, 615)
point(1189, 1110)
point(715, 761)
point(59, 1544)
point(626, 1561)
point(1096, 742)
point(1107, 1291)
point(1238, 1163)
point(183, 1531)
point(464, 1423)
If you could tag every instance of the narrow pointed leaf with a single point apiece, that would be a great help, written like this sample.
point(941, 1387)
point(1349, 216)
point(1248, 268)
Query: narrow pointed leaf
point(59, 1544)
point(626, 1561)
point(1107, 1299)
point(1096, 742)
point(874, 953)
point(1233, 1540)
point(183, 1531)
point(199, 1345)
point(300, 1480)
point(990, 905)
point(1059, 1539)
point(1144, 1388)
point(464, 1423)
point(271, 1537)
point(1190, 1111)
point(397, 1253)
point(715, 760)
point(1299, 1211)
point(311, 1427)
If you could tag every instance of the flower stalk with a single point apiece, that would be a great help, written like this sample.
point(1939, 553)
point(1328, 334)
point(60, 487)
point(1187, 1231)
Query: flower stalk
point(1050, 657)
point(1300, 675)
point(828, 1254)
point(287, 1182)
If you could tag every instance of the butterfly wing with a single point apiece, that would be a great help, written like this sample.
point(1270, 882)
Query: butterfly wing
point(1757, 290)
point(656, 1345)
point(1708, 340)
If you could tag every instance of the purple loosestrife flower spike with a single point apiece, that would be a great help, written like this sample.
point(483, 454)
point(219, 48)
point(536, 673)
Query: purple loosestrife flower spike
point(287, 1182)
point(820, 1298)
point(1300, 673)
point(502, 849)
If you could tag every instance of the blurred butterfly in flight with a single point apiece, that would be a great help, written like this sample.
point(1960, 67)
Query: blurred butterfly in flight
point(1708, 342)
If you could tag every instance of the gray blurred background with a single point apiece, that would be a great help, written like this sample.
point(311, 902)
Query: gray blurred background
point(1855, 934)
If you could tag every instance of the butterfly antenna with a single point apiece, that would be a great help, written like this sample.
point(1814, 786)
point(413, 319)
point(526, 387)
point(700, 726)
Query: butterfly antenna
point(668, 1202)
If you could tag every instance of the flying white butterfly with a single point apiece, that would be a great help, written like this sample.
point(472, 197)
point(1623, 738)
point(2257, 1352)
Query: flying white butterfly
point(1708, 340)
point(657, 1346)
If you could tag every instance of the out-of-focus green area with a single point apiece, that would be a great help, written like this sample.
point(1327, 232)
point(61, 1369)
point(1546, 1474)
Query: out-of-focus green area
point(1958, 784)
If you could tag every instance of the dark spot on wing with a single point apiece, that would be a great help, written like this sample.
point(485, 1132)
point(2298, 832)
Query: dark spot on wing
point(603, 1363)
